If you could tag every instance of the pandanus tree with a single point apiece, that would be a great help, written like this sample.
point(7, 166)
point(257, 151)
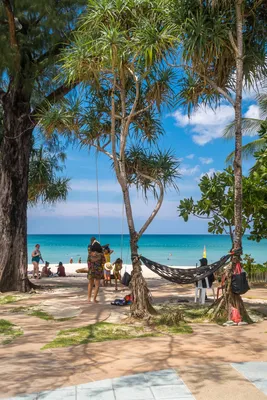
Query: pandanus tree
point(31, 36)
point(224, 45)
point(117, 55)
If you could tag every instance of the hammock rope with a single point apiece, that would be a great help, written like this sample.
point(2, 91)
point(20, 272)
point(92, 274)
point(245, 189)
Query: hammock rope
point(185, 276)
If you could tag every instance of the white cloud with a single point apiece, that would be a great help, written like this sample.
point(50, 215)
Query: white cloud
point(206, 160)
point(72, 209)
point(205, 123)
point(253, 112)
point(210, 173)
point(190, 156)
point(186, 170)
point(89, 185)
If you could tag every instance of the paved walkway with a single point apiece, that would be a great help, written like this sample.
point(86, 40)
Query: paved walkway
point(157, 385)
point(163, 385)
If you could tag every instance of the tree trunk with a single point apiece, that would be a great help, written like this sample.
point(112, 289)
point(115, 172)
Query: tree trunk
point(141, 306)
point(238, 127)
point(15, 150)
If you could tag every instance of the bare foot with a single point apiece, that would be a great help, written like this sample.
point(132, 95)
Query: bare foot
point(96, 301)
point(89, 301)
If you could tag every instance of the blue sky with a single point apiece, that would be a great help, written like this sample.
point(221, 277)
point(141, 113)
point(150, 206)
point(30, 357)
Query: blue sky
point(197, 142)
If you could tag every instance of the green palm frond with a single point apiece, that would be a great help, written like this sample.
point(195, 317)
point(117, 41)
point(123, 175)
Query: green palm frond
point(248, 150)
point(158, 166)
point(44, 183)
point(250, 126)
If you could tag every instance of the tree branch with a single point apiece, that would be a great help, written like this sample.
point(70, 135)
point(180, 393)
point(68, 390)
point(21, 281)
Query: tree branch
point(2, 94)
point(53, 97)
point(52, 52)
point(158, 205)
point(142, 110)
point(11, 24)
point(210, 81)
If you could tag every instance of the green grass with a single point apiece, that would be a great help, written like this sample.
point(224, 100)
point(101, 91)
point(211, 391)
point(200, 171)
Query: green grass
point(19, 310)
point(99, 332)
point(9, 331)
point(41, 314)
point(181, 329)
point(9, 299)
point(192, 313)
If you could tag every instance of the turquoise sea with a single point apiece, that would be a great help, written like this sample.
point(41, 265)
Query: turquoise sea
point(166, 249)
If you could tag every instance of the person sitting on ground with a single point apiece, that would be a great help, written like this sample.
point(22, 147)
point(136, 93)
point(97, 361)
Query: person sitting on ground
point(46, 270)
point(61, 269)
point(117, 271)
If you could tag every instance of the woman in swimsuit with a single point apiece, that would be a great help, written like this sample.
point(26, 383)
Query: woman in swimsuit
point(36, 257)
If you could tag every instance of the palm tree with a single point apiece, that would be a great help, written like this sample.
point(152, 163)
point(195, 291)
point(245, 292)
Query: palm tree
point(224, 43)
point(250, 126)
point(117, 54)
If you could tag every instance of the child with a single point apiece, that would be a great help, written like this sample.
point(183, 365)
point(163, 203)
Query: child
point(107, 273)
point(117, 271)
point(107, 253)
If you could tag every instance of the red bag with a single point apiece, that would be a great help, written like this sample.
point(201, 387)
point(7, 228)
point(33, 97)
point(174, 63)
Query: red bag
point(235, 315)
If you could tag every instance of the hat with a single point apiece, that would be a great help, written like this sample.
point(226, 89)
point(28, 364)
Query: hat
point(108, 266)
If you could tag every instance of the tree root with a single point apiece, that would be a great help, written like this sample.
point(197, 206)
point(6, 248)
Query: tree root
point(141, 307)
point(220, 311)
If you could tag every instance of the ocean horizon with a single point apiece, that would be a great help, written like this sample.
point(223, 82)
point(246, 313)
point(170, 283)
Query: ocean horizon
point(169, 249)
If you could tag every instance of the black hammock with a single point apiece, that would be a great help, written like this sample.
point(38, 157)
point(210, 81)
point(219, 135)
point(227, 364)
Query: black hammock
point(186, 275)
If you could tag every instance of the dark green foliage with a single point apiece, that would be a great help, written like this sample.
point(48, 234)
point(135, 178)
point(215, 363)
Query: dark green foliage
point(44, 183)
point(259, 177)
point(217, 202)
point(42, 29)
point(208, 30)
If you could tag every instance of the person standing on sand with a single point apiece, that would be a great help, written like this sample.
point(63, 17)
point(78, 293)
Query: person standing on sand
point(95, 261)
point(36, 257)
point(117, 271)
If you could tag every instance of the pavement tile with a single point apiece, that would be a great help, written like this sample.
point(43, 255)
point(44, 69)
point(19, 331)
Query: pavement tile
point(129, 381)
point(255, 372)
point(162, 378)
point(133, 393)
point(95, 394)
point(171, 392)
point(32, 396)
point(58, 394)
point(104, 384)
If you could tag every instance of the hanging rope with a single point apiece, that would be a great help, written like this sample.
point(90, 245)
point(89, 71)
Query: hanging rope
point(122, 220)
point(97, 194)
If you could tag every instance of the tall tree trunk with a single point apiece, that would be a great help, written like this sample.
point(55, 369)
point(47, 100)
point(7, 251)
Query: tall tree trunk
point(141, 306)
point(14, 162)
point(238, 126)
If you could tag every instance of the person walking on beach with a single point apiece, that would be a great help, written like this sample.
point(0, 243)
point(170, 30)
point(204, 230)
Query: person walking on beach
point(36, 257)
point(95, 261)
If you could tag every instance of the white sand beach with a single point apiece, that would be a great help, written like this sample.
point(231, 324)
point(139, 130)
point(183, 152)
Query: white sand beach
point(71, 269)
